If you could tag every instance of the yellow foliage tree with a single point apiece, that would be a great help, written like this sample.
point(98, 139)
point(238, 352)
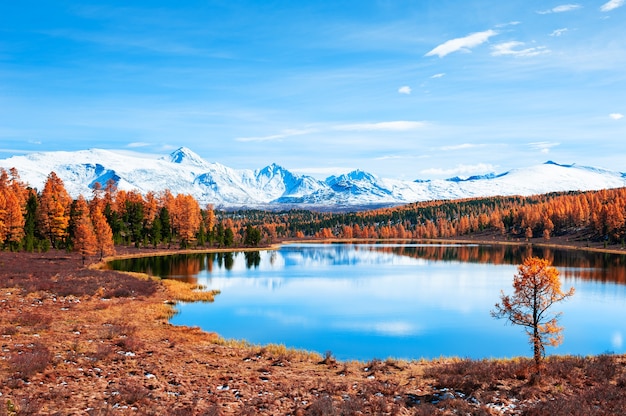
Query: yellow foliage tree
point(104, 235)
point(186, 218)
point(84, 238)
point(536, 288)
point(12, 202)
point(53, 212)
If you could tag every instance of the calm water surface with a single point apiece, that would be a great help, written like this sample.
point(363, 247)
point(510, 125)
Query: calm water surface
point(364, 301)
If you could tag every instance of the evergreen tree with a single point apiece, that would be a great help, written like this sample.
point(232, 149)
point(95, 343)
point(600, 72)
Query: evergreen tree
point(30, 223)
point(229, 237)
point(166, 225)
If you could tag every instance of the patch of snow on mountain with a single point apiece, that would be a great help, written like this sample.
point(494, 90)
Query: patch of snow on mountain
point(183, 171)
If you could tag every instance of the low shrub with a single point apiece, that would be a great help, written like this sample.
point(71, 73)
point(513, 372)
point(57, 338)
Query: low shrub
point(31, 361)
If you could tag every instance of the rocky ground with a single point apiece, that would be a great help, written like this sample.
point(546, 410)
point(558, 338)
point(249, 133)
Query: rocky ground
point(81, 341)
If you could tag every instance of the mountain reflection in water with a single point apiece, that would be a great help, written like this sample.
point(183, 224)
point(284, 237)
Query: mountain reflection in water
point(362, 301)
point(602, 267)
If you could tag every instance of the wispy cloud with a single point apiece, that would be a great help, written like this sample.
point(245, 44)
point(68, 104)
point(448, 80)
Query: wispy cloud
point(137, 144)
point(394, 157)
point(543, 147)
point(562, 8)
point(461, 146)
point(513, 48)
point(461, 170)
point(611, 5)
point(439, 75)
point(282, 135)
point(462, 44)
point(514, 23)
point(401, 125)
point(405, 90)
point(616, 116)
point(558, 32)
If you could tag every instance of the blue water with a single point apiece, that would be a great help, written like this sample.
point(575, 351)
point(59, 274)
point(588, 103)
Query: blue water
point(378, 301)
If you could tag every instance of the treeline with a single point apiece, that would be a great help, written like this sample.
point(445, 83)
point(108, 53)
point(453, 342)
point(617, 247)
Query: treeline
point(31, 220)
point(38, 221)
point(596, 215)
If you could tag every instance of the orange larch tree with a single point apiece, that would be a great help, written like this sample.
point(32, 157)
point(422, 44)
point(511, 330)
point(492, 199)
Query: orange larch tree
point(12, 208)
point(84, 238)
point(53, 210)
point(186, 218)
point(536, 288)
point(103, 233)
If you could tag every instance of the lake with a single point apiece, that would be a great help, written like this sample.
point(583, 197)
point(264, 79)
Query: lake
point(408, 301)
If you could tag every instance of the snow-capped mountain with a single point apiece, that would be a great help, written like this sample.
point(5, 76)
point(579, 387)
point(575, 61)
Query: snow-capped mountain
point(185, 172)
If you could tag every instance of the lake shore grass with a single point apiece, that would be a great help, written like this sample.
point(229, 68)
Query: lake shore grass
point(86, 341)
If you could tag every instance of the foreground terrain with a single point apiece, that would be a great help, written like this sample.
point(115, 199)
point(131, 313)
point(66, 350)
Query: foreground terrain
point(78, 340)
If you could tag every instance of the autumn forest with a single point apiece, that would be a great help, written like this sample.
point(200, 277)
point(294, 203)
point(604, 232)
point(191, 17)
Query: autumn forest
point(32, 220)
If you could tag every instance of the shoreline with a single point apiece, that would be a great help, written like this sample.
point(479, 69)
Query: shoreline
point(187, 292)
point(567, 245)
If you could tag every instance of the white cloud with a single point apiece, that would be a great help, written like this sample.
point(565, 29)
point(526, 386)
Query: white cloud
point(393, 157)
point(462, 44)
point(558, 32)
point(479, 168)
point(440, 75)
point(543, 147)
point(405, 90)
point(281, 135)
point(616, 116)
point(612, 4)
point(461, 146)
point(514, 23)
point(401, 125)
point(562, 8)
point(512, 48)
point(137, 144)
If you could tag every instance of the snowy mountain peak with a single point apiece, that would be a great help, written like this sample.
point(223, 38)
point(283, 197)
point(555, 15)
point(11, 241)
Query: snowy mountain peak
point(351, 177)
point(474, 177)
point(550, 162)
point(184, 172)
point(186, 156)
point(272, 170)
point(359, 175)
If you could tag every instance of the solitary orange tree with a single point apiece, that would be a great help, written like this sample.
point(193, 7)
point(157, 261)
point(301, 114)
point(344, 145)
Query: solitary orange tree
point(536, 288)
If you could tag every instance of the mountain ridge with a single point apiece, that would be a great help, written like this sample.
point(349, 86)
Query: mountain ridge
point(275, 187)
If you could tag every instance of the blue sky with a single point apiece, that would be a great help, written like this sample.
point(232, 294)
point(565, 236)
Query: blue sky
point(402, 89)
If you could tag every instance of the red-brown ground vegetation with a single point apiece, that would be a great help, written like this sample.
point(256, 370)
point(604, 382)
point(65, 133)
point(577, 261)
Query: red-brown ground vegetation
point(83, 341)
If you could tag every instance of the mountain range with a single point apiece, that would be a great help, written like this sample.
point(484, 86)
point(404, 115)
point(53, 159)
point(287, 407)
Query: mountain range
point(274, 187)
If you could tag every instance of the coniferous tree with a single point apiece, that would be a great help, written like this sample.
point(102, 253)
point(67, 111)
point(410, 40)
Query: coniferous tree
point(166, 225)
point(84, 238)
point(54, 210)
point(536, 288)
point(103, 233)
point(229, 237)
point(30, 223)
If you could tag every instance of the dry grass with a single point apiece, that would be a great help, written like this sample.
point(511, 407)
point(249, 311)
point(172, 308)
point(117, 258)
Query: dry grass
point(186, 292)
point(119, 355)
